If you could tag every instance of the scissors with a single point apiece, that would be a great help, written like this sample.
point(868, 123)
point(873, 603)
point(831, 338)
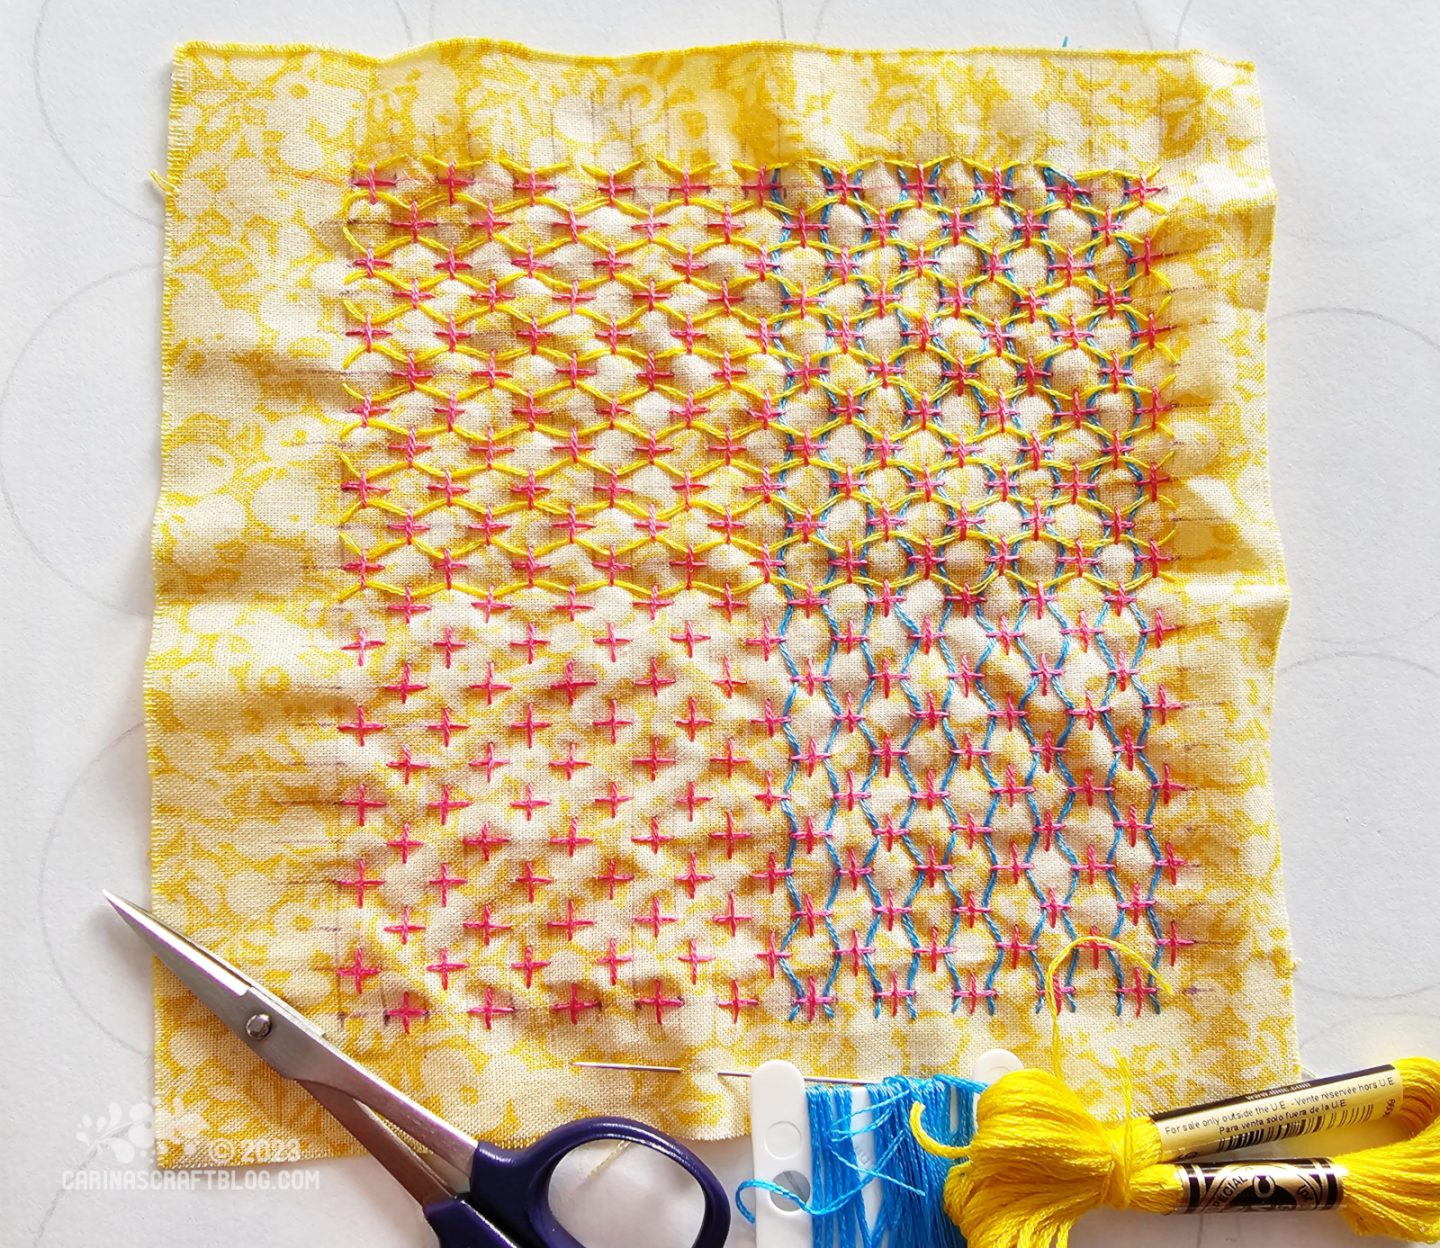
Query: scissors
point(474, 1195)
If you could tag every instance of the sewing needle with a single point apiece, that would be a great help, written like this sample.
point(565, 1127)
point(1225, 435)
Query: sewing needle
point(723, 1074)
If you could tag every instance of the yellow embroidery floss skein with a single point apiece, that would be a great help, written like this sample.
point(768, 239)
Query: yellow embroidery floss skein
point(1039, 1159)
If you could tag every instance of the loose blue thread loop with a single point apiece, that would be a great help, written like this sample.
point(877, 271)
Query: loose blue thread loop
point(909, 1212)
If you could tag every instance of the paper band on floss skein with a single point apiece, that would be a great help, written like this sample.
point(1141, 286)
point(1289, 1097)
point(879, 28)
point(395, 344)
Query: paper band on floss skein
point(1039, 1159)
point(1279, 1113)
point(1296, 1183)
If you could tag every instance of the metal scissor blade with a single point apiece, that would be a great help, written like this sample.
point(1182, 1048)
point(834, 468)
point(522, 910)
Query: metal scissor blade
point(231, 995)
point(404, 1163)
point(294, 1047)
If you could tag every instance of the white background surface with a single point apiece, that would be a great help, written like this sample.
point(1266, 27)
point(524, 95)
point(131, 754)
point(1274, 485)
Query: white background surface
point(1351, 96)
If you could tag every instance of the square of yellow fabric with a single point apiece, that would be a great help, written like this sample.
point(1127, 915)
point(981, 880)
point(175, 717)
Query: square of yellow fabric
point(707, 556)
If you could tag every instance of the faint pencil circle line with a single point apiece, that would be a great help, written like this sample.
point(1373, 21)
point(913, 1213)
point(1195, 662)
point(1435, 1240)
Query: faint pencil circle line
point(1180, 25)
point(404, 20)
point(43, 873)
point(1371, 1025)
point(1378, 656)
point(1368, 314)
point(35, 546)
point(1348, 995)
point(53, 132)
point(1365, 314)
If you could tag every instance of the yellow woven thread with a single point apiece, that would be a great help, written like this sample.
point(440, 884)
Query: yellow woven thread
point(1395, 1189)
point(1040, 1159)
point(249, 842)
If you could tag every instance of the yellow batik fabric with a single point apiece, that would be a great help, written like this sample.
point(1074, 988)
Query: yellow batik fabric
point(707, 556)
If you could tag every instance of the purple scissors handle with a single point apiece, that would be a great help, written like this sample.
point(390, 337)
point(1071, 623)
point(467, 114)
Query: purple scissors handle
point(508, 1204)
point(508, 1201)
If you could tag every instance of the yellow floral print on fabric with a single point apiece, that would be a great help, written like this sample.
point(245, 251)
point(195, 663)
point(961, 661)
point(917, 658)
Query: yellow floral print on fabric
point(710, 556)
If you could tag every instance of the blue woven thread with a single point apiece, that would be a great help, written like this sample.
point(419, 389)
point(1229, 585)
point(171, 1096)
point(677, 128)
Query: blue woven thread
point(910, 1213)
point(812, 980)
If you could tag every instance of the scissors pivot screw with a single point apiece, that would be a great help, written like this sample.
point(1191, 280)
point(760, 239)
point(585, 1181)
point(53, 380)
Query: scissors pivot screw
point(474, 1195)
point(257, 1026)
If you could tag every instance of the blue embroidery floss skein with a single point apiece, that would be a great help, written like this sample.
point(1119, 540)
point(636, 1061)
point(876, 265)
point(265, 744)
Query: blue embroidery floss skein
point(894, 1195)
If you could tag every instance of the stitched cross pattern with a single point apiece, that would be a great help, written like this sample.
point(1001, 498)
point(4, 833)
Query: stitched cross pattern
point(747, 584)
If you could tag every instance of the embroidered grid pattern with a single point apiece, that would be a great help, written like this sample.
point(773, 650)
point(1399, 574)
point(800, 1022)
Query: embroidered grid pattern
point(749, 577)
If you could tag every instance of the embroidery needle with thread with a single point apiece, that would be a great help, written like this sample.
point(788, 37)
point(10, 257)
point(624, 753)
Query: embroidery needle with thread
point(647, 1069)
point(851, 437)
